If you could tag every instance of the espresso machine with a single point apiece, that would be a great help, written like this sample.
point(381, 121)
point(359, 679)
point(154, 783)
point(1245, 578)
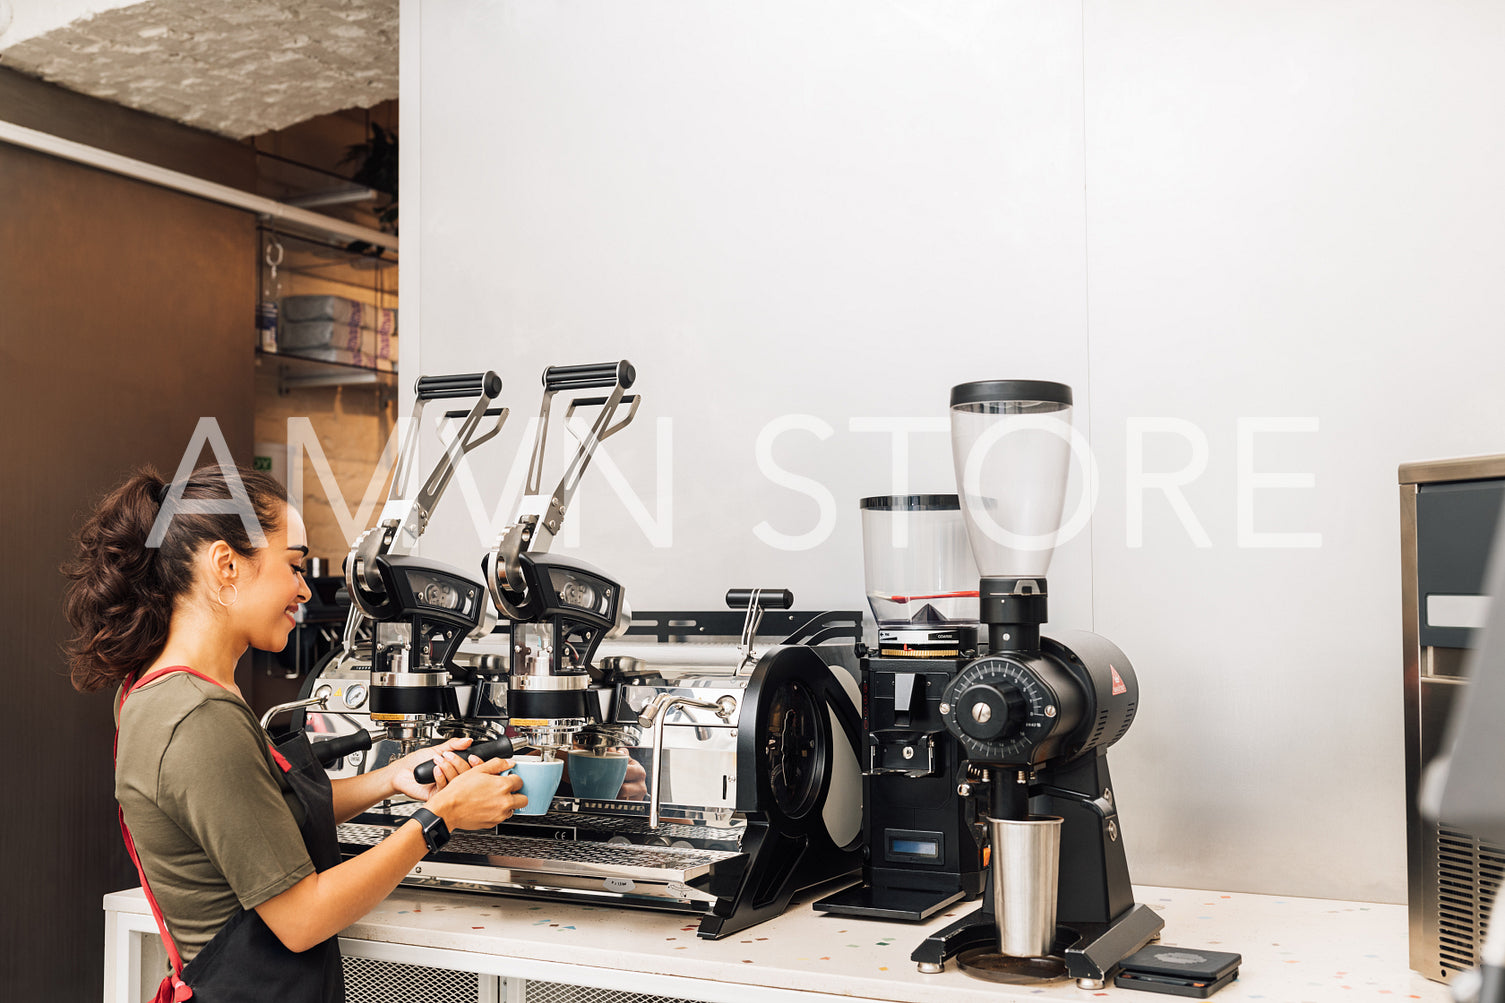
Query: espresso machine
point(744, 731)
point(747, 784)
point(421, 611)
point(394, 663)
point(559, 608)
point(415, 611)
point(1014, 725)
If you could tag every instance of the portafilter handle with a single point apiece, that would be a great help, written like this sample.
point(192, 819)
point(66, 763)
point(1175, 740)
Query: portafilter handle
point(331, 750)
point(496, 748)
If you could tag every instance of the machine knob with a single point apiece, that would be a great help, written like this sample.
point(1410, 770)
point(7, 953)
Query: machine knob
point(990, 712)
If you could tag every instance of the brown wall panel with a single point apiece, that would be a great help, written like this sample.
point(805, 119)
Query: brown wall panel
point(125, 315)
point(48, 108)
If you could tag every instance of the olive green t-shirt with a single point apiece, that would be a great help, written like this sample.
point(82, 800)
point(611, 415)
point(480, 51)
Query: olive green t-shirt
point(214, 820)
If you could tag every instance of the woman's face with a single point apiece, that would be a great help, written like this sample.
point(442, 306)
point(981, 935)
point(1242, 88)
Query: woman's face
point(268, 596)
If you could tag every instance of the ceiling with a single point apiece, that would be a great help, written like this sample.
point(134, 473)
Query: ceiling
point(233, 67)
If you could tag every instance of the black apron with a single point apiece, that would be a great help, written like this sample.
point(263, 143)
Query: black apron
point(245, 962)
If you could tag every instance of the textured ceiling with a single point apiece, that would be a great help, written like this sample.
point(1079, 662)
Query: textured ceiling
point(234, 67)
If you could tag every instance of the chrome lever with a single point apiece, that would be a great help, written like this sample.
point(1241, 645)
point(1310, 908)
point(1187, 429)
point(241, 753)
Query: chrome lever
point(538, 518)
point(654, 716)
point(408, 517)
point(353, 621)
point(750, 625)
point(320, 702)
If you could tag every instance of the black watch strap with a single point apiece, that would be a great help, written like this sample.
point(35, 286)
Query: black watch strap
point(435, 831)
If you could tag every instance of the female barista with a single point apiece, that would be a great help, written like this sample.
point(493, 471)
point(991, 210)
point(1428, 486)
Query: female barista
point(234, 837)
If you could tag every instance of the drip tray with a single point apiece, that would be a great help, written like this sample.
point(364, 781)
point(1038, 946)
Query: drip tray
point(525, 855)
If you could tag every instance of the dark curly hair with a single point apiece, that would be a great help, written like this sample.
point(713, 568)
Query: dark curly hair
point(121, 591)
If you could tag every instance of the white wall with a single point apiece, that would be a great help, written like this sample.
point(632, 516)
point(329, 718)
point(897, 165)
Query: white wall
point(1204, 211)
point(1293, 209)
point(773, 210)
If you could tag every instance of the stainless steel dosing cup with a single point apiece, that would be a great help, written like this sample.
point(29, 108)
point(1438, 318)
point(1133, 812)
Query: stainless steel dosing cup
point(1026, 862)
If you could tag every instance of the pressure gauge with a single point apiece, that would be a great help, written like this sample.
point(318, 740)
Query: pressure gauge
point(579, 593)
point(438, 594)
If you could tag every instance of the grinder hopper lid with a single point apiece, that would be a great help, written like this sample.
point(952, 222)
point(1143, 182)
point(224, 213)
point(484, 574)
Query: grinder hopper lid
point(1011, 443)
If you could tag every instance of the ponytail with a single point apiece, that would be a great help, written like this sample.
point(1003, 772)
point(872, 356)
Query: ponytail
point(121, 593)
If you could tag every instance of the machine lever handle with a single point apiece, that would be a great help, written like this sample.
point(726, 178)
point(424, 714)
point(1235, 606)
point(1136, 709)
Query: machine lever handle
point(333, 749)
point(487, 384)
point(496, 748)
point(594, 375)
point(763, 598)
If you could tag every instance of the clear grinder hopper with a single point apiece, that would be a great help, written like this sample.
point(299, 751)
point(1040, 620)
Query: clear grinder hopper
point(919, 575)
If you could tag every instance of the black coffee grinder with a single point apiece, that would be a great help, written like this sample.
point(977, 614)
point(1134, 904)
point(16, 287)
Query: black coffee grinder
point(1035, 714)
point(1017, 736)
point(924, 845)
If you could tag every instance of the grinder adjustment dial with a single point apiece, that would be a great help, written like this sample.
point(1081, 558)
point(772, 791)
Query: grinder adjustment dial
point(990, 711)
point(1002, 711)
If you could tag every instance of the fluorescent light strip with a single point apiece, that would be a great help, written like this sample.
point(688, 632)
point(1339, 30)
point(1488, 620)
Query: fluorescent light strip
point(302, 219)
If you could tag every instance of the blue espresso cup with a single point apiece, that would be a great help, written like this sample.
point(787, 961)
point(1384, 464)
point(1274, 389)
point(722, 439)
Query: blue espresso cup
point(598, 777)
point(540, 780)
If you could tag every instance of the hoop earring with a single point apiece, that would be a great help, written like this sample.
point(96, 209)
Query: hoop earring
point(234, 594)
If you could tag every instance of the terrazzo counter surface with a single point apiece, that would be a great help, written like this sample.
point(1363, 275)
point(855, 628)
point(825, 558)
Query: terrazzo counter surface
point(1295, 950)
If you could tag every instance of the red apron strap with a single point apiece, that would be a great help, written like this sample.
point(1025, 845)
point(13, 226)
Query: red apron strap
point(281, 760)
point(180, 989)
point(173, 989)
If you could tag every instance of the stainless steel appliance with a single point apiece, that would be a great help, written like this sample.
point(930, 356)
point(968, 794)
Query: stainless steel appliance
point(746, 786)
point(1449, 513)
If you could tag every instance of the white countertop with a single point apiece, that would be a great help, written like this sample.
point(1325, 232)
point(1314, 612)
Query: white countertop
point(1295, 950)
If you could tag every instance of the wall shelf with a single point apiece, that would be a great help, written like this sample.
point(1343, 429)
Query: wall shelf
point(297, 372)
point(297, 266)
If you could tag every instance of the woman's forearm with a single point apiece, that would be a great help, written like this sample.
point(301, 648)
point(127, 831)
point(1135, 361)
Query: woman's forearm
point(323, 904)
point(353, 795)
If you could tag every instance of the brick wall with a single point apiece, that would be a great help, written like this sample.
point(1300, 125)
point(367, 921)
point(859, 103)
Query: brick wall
point(352, 424)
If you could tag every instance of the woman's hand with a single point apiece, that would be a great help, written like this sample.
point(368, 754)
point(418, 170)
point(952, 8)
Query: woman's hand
point(635, 783)
point(479, 798)
point(448, 762)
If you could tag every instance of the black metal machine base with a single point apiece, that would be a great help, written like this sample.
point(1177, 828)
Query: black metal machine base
point(787, 842)
point(1094, 881)
point(911, 905)
point(779, 865)
point(1090, 950)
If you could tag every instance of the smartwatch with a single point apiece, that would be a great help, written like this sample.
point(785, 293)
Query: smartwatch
point(435, 832)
